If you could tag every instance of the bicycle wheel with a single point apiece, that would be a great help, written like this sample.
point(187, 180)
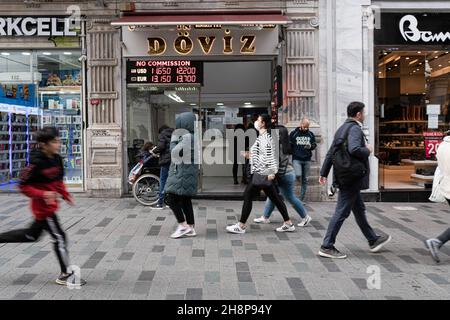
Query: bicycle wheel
point(146, 189)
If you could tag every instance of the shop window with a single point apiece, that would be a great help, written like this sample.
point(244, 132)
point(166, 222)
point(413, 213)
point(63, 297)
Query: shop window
point(40, 88)
point(410, 85)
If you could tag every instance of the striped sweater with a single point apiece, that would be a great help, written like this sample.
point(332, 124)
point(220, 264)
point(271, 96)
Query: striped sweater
point(262, 156)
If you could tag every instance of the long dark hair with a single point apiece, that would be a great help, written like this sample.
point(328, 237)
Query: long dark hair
point(284, 139)
point(267, 121)
point(147, 146)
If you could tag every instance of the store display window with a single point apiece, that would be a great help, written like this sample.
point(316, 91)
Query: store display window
point(37, 89)
point(413, 89)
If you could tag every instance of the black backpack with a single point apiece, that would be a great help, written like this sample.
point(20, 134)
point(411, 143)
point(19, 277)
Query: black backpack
point(347, 169)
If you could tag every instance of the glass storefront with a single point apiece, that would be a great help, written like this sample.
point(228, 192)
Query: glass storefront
point(40, 88)
point(414, 110)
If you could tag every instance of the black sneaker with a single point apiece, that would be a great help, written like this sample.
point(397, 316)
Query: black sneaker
point(381, 241)
point(433, 245)
point(332, 253)
point(69, 279)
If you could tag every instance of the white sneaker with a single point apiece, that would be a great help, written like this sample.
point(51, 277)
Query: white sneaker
point(286, 228)
point(181, 231)
point(235, 228)
point(192, 233)
point(305, 221)
point(261, 219)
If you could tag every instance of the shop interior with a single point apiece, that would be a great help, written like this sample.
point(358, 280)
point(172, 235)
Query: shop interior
point(232, 93)
point(413, 92)
point(40, 88)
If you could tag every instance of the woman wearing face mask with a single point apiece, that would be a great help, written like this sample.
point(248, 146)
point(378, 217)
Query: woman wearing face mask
point(286, 183)
point(263, 165)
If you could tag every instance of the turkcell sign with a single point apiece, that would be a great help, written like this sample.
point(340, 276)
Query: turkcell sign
point(37, 26)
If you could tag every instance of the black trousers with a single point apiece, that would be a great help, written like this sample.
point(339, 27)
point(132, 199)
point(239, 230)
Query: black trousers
point(272, 193)
point(181, 207)
point(235, 171)
point(33, 233)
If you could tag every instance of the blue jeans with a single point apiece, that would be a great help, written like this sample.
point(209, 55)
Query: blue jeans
point(163, 175)
point(286, 185)
point(301, 169)
point(348, 200)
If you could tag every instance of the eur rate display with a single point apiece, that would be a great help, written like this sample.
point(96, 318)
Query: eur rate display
point(164, 72)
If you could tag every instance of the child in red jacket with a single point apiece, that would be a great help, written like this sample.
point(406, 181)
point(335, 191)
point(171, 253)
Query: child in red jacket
point(42, 182)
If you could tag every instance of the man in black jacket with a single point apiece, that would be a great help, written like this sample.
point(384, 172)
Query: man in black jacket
point(349, 198)
point(163, 148)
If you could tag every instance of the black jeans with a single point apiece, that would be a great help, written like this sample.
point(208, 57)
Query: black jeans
point(33, 233)
point(235, 171)
point(181, 207)
point(251, 191)
point(348, 200)
point(445, 236)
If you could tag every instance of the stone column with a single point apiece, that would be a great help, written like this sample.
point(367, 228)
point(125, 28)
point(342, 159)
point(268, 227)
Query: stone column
point(104, 132)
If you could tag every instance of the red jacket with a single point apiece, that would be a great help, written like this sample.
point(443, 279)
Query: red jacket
point(43, 174)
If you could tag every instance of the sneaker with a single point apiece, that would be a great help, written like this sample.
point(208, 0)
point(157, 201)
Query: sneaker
point(261, 219)
point(433, 245)
point(305, 221)
point(180, 232)
point(381, 241)
point(332, 253)
point(236, 228)
point(286, 228)
point(191, 233)
point(158, 207)
point(69, 279)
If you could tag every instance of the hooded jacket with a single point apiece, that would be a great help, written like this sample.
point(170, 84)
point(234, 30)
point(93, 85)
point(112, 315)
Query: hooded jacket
point(443, 157)
point(164, 146)
point(41, 175)
point(183, 171)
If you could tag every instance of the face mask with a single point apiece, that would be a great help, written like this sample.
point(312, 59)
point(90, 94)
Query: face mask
point(257, 125)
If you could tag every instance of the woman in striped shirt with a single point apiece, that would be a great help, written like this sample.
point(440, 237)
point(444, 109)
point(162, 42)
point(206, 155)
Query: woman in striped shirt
point(263, 162)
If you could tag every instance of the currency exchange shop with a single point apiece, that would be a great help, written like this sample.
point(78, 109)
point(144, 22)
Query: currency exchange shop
point(223, 67)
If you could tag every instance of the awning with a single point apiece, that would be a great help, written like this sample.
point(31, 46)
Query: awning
point(203, 19)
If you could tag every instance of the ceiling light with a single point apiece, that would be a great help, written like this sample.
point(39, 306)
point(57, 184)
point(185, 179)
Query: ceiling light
point(407, 58)
point(5, 53)
point(219, 103)
point(419, 52)
point(67, 53)
point(248, 103)
point(436, 57)
point(382, 72)
point(46, 53)
point(440, 65)
point(26, 53)
point(385, 53)
point(395, 65)
point(192, 104)
point(173, 95)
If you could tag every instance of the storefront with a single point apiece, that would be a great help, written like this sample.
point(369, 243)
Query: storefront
point(412, 96)
point(41, 84)
point(221, 67)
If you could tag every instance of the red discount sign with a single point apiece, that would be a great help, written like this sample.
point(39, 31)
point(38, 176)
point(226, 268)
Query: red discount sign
point(432, 141)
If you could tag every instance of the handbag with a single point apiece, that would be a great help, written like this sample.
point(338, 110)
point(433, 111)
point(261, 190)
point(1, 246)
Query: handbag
point(261, 181)
point(436, 194)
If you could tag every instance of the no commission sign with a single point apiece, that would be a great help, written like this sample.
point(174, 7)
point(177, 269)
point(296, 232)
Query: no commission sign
point(37, 26)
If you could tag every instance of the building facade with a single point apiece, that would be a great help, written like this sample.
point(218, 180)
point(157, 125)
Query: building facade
point(327, 53)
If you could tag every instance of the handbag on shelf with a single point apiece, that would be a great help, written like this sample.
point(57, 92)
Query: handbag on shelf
point(261, 181)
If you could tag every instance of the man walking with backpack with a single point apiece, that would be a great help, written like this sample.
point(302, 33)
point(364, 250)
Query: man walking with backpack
point(349, 157)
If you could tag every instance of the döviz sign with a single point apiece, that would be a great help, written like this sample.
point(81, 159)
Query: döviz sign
point(36, 26)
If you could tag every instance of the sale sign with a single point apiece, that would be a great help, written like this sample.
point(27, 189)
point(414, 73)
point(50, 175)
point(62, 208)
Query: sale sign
point(432, 141)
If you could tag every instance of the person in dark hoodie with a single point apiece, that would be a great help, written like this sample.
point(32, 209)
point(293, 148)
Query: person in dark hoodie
point(182, 182)
point(303, 142)
point(163, 148)
point(42, 182)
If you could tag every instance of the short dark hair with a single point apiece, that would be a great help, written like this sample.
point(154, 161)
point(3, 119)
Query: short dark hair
point(353, 108)
point(163, 127)
point(47, 134)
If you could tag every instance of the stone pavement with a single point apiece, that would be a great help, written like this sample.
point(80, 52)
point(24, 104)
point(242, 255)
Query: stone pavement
point(125, 252)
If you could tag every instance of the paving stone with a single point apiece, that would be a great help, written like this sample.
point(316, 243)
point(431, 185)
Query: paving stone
point(147, 275)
